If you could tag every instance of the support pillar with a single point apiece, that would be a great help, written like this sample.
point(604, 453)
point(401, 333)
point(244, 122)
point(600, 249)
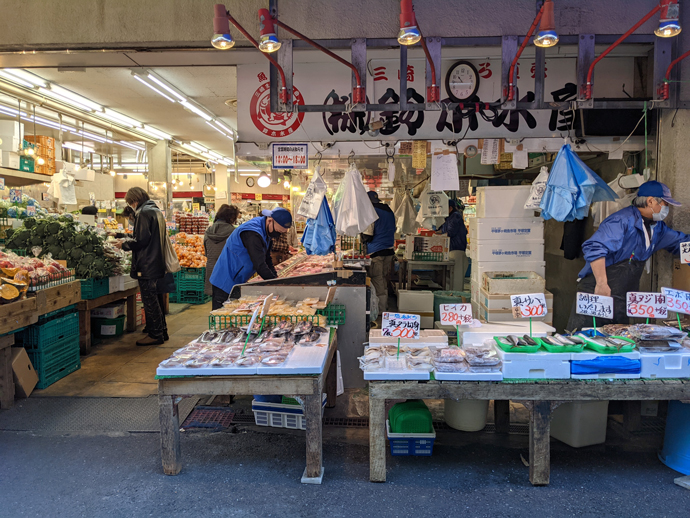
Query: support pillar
point(160, 173)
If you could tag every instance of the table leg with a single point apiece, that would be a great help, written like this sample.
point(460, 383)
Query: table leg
point(377, 440)
point(539, 443)
point(632, 416)
point(332, 382)
point(131, 313)
point(408, 285)
point(312, 412)
point(170, 435)
point(502, 415)
point(6, 378)
point(85, 331)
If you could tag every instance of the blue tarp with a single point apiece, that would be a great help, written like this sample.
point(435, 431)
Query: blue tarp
point(572, 187)
point(605, 365)
point(319, 234)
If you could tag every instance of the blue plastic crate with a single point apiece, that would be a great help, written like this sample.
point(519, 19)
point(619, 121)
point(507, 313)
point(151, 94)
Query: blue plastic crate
point(410, 444)
point(94, 288)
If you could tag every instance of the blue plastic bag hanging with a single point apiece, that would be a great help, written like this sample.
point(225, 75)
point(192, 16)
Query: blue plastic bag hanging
point(319, 234)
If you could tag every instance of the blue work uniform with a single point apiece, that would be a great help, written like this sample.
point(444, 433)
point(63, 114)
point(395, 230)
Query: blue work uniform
point(384, 230)
point(454, 227)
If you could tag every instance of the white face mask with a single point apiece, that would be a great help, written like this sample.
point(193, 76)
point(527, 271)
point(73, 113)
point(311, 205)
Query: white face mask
point(661, 215)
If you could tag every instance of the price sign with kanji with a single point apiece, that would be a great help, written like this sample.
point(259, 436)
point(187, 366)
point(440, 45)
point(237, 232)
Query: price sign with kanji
point(401, 325)
point(16, 195)
point(531, 305)
point(685, 253)
point(455, 314)
point(290, 156)
point(646, 305)
point(677, 300)
point(594, 305)
point(31, 210)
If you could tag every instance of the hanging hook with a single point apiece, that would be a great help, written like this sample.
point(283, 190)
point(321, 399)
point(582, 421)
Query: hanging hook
point(351, 158)
point(318, 159)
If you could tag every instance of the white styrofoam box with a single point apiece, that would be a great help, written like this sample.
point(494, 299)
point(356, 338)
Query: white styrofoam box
point(506, 315)
point(278, 415)
point(497, 229)
point(468, 376)
point(474, 291)
point(427, 337)
point(518, 249)
point(581, 423)
point(427, 320)
point(591, 355)
point(415, 301)
point(480, 268)
point(12, 135)
point(302, 360)
point(86, 175)
point(539, 365)
point(396, 370)
point(503, 202)
point(129, 283)
point(665, 364)
point(112, 310)
point(502, 302)
point(512, 282)
point(517, 327)
point(9, 159)
point(116, 283)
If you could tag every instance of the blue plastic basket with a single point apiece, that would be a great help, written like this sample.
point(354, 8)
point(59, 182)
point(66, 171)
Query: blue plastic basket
point(410, 444)
point(676, 451)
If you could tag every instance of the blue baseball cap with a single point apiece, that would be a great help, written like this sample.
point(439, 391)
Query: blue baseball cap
point(657, 190)
point(280, 215)
point(373, 196)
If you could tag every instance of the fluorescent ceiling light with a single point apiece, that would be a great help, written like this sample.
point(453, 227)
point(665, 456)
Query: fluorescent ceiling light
point(130, 174)
point(119, 118)
point(196, 110)
point(131, 145)
point(153, 88)
point(98, 138)
point(215, 155)
point(26, 76)
point(245, 169)
point(75, 97)
point(218, 130)
point(15, 79)
point(192, 146)
point(154, 132)
point(224, 127)
point(250, 174)
point(8, 111)
point(78, 147)
point(166, 87)
point(65, 100)
point(133, 164)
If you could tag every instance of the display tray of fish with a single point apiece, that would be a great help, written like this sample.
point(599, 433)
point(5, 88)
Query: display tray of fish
point(517, 344)
point(610, 344)
point(283, 327)
point(303, 327)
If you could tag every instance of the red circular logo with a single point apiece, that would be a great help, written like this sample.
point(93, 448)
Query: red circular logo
point(276, 125)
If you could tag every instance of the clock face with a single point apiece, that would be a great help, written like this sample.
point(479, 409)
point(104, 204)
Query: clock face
point(250, 182)
point(462, 81)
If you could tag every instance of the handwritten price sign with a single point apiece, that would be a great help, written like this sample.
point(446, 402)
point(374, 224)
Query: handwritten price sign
point(646, 305)
point(401, 325)
point(594, 305)
point(685, 253)
point(455, 314)
point(677, 300)
point(532, 305)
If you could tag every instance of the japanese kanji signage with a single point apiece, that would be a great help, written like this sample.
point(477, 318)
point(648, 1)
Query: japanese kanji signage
point(646, 305)
point(532, 305)
point(677, 300)
point(685, 253)
point(290, 156)
point(455, 314)
point(594, 305)
point(401, 325)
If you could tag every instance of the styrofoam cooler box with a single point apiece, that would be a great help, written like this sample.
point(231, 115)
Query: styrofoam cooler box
point(581, 423)
point(130, 283)
point(475, 288)
point(415, 301)
point(116, 283)
point(9, 159)
point(590, 355)
point(503, 202)
point(512, 282)
point(112, 310)
point(427, 337)
point(506, 315)
point(517, 327)
point(539, 365)
point(501, 302)
point(498, 229)
point(11, 134)
point(519, 249)
point(665, 364)
point(480, 268)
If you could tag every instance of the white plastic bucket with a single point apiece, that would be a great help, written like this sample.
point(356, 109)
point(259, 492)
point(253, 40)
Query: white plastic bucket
point(468, 415)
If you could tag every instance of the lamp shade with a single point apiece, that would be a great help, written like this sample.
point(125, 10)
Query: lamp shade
point(547, 36)
point(268, 41)
point(409, 32)
point(221, 29)
point(669, 26)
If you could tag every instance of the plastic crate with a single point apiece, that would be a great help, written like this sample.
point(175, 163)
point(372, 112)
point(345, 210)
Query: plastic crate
point(94, 288)
point(427, 256)
point(224, 321)
point(410, 444)
point(42, 336)
point(279, 415)
point(334, 313)
point(108, 327)
point(56, 361)
point(192, 297)
point(19, 251)
point(57, 313)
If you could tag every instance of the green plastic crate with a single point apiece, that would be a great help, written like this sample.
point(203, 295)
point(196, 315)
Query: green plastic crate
point(55, 362)
point(334, 313)
point(114, 326)
point(427, 256)
point(42, 336)
point(57, 313)
point(224, 321)
point(26, 164)
point(192, 297)
point(94, 288)
point(18, 251)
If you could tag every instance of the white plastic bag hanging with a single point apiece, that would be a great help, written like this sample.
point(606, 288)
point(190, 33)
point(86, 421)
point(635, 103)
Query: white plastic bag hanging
point(311, 203)
point(434, 204)
point(405, 217)
point(354, 212)
point(537, 190)
point(398, 198)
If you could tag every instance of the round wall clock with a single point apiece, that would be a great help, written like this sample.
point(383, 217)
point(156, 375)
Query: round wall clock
point(250, 182)
point(471, 151)
point(462, 81)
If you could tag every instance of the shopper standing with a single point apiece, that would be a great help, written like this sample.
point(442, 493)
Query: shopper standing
point(148, 263)
point(380, 239)
point(454, 227)
point(214, 240)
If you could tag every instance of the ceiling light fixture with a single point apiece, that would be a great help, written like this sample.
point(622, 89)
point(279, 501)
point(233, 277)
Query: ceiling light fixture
point(225, 128)
point(217, 129)
point(196, 110)
point(162, 84)
point(409, 35)
point(268, 41)
point(136, 76)
point(286, 185)
point(119, 118)
point(26, 76)
point(264, 180)
point(15, 79)
point(154, 132)
point(131, 145)
point(77, 147)
point(67, 94)
point(222, 39)
point(65, 100)
point(547, 36)
point(669, 26)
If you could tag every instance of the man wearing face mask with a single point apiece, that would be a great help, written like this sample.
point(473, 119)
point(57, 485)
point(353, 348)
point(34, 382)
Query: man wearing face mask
point(617, 252)
point(248, 250)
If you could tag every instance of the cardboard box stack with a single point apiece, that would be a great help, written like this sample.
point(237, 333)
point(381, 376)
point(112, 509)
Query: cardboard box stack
point(11, 135)
point(45, 148)
point(504, 237)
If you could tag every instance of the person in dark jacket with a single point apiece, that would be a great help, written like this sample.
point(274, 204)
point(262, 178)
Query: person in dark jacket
point(214, 240)
point(454, 227)
point(148, 262)
point(248, 250)
point(380, 239)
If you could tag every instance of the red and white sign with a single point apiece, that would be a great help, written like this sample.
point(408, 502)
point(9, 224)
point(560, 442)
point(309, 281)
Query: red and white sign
point(646, 305)
point(455, 314)
point(677, 300)
point(290, 156)
point(685, 253)
point(274, 125)
point(532, 305)
point(401, 325)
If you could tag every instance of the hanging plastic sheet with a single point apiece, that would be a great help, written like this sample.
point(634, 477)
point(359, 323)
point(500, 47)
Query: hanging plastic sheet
point(354, 211)
point(319, 234)
point(405, 217)
point(536, 192)
point(572, 187)
point(311, 203)
point(398, 198)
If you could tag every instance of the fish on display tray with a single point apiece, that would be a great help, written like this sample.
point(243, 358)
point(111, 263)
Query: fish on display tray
point(310, 338)
point(284, 327)
point(303, 327)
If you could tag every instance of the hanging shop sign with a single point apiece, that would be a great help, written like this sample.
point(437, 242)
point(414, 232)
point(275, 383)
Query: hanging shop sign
point(329, 84)
point(646, 305)
point(290, 156)
point(31, 210)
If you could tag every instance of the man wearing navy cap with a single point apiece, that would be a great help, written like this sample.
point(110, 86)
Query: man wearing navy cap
point(248, 251)
point(380, 239)
point(618, 250)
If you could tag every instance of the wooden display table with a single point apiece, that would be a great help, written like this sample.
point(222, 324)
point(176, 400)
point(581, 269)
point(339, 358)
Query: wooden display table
point(538, 396)
point(309, 387)
point(85, 307)
point(408, 266)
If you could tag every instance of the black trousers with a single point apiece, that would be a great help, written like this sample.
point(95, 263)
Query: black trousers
point(622, 278)
point(153, 308)
point(219, 296)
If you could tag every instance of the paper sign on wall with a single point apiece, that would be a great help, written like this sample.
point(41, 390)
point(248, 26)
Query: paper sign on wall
point(531, 305)
point(419, 154)
point(677, 300)
point(646, 305)
point(290, 156)
point(490, 151)
point(594, 305)
point(455, 314)
point(31, 210)
point(2, 184)
point(16, 195)
point(685, 253)
point(444, 170)
point(401, 325)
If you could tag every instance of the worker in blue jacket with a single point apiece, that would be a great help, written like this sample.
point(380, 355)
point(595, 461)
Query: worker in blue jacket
point(248, 251)
point(617, 252)
point(380, 239)
point(454, 227)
